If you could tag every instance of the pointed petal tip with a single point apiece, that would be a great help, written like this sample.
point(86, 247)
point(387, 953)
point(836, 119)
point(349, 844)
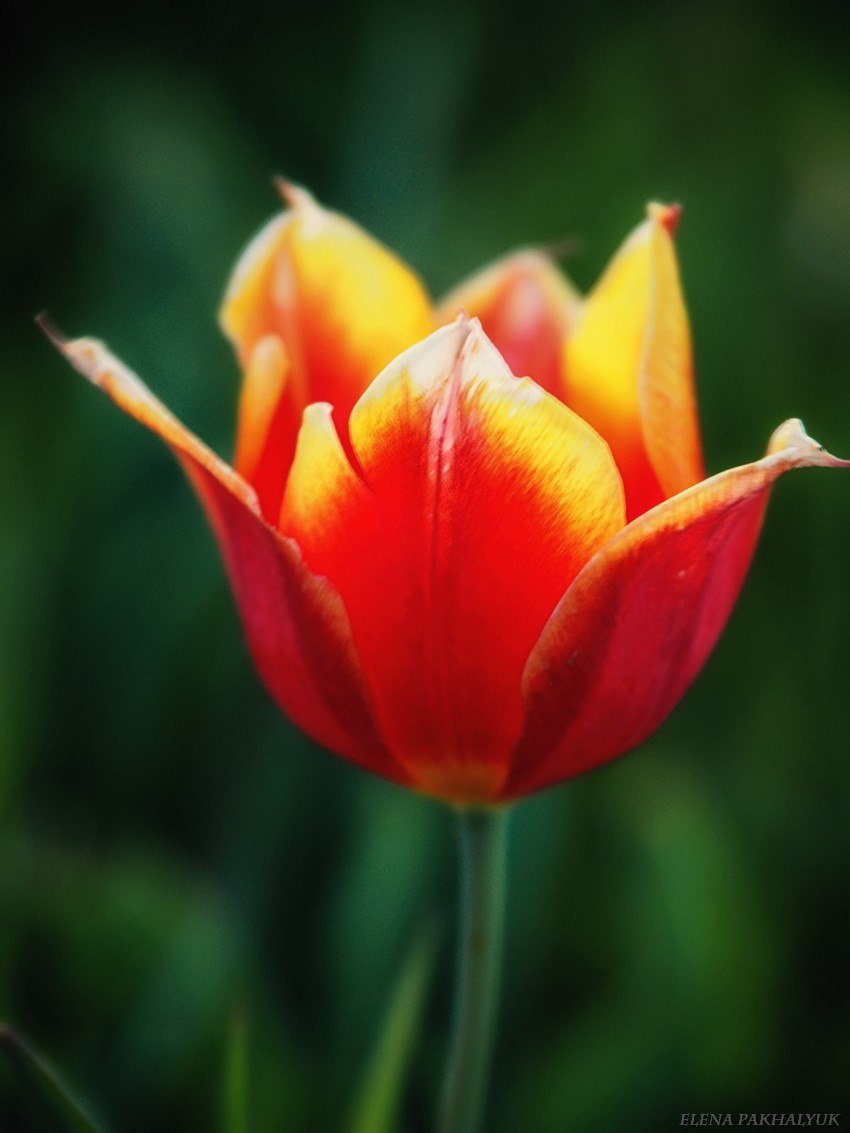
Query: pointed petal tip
point(666, 215)
point(293, 195)
point(565, 248)
point(455, 335)
point(792, 442)
point(476, 348)
point(471, 336)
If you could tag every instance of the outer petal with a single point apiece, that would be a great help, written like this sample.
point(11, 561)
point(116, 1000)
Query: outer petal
point(638, 623)
point(475, 498)
point(295, 624)
point(629, 367)
point(526, 308)
point(342, 306)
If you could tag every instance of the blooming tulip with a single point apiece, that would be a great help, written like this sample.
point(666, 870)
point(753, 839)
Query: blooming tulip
point(471, 583)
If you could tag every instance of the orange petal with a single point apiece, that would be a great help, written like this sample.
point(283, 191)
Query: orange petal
point(629, 366)
point(262, 388)
point(638, 623)
point(526, 308)
point(269, 413)
point(340, 302)
point(476, 498)
point(295, 624)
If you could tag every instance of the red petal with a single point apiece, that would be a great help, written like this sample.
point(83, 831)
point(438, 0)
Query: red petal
point(295, 624)
point(526, 308)
point(480, 497)
point(270, 407)
point(638, 623)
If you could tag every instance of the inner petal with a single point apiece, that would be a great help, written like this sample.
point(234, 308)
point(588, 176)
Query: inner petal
point(629, 368)
point(526, 308)
point(338, 306)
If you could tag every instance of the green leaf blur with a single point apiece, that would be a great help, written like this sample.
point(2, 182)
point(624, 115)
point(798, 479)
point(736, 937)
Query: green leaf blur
point(41, 1086)
point(380, 1093)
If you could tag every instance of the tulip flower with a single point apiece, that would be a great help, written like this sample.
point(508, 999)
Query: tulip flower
point(473, 553)
point(471, 583)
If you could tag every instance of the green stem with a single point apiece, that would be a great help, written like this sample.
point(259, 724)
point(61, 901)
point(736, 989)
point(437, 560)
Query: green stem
point(482, 900)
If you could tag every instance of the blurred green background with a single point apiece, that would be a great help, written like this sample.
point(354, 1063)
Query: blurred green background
point(171, 850)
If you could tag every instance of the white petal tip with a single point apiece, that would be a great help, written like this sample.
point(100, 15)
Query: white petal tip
point(794, 444)
point(87, 355)
point(295, 196)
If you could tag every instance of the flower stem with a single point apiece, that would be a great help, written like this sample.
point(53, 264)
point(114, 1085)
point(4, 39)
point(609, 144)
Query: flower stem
point(482, 907)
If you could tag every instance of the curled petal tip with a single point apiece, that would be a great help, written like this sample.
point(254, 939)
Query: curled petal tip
point(668, 215)
point(46, 325)
point(793, 442)
point(86, 355)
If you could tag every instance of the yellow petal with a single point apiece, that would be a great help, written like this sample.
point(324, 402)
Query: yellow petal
point(340, 305)
point(629, 366)
point(247, 313)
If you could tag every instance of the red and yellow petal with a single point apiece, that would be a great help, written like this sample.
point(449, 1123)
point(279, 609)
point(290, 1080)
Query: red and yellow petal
point(526, 308)
point(473, 500)
point(295, 624)
point(629, 367)
point(638, 623)
point(342, 305)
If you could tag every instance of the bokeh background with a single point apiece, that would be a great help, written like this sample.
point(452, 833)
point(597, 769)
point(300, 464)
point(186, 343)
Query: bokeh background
point(172, 853)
